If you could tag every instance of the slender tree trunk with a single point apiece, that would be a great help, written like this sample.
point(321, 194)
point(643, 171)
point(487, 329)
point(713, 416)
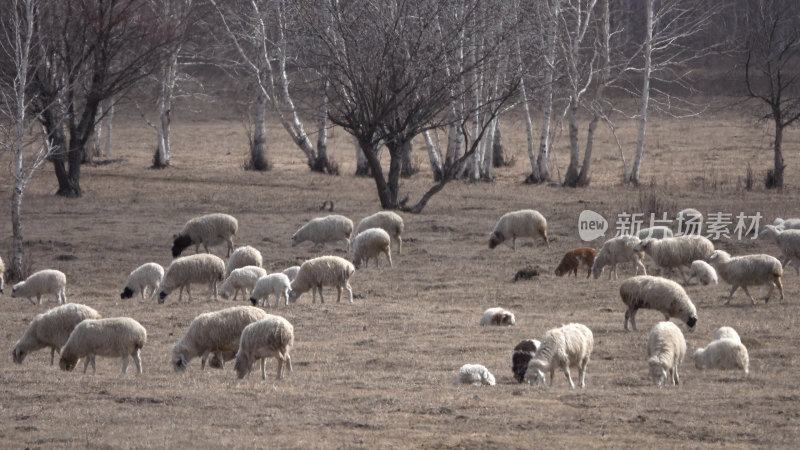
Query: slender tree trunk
point(258, 149)
point(584, 178)
point(98, 136)
point(407, 167)
point(321, 161)
point(169, 73)
point(433, 155)
point(362, 165)
point(543, 161)
point(455, 143)
point(497, 147)
point(109, 120)
point(777, 180)
point(571, 177)
point(488, 153)
point(384, 192)
point(648, 50)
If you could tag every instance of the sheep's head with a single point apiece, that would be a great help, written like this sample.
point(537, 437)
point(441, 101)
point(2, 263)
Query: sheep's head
point(691, 322)
point(597, 270)
point(162, 296)
point(179, 244)
point(15, 288)
point(179, 362)
point(495, 239)
point(643, 245)
point(67, 363)
point(717, 256)
point(254, 301)
point(225, 294)
point(519, 364)
point(293, 295)
point(657, 374)
point(698, 361)
point(535, 376)
point(504, 318)
point(241, 367)
point(294, 240)
point(19, 355)
point(126, 293)
point(770, 230)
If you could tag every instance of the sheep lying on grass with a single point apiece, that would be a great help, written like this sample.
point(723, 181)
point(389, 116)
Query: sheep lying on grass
point(148, 275)
point(666, 348)
point(270, 337)
point(51, 329)
point(43, 282)
point(727, 333)
point(568, 346)
point(661, 294)
point(116, 337)
point(723, 354)
point(476, 375)
point(208, 230)
point(516, 224)
point(748, 270)
point(497, 316)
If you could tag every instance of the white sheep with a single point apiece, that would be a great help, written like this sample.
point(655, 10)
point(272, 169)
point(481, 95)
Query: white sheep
point(497, 316)
point(723, 354)
point(570, 345)
point(748, 270)
point(115, 337)
point(291, 272)
point(727, 333)
point(2, 274)
point(476, 375)
point(703, 271)
point(148, 275)
point(270, 337)
point(523, 223)
point(618, 250)
point(51, 329)
point(787, 224)
point(788, 242)
point(676, 252)
point(323, 271)
point(43, 282)
point(523, 352)
point(277, 284)
point(389, 221)
point(209, 230)
point(214, 332)
point(655, 232)
point(661, 294)
point(241, 279)
point(184, 271)
point(370, 243)
point(689, 221)
point(666, 348)
point(242, 257)
point(332, 228)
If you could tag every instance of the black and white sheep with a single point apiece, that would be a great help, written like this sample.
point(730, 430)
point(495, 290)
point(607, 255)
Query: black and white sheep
point(323, 271)
point(618, 250)
point(241, 279)
point(723, 354)
point(389, 221)
point(148, 275)
point(704, 273)
point(48, 281)
point(214, 332)
point(193, 269)
point(270, 337)
point(788, 242)
point(747, 270)
point(51, 329)
point(516, 224)
point(666, 348)
point(321, 230)
point(523, 352)
point(661, 294)
point(243, 257)
point(497, 316)
point(118, 337)
point(676, 252)
point(475, 375)
point(568, 346)
point(369, 244)
point(209, 230)
point(276, 284)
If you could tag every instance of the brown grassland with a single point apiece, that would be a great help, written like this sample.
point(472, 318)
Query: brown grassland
point(381, 372)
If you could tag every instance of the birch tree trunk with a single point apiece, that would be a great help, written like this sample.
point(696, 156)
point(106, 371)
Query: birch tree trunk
point(571, 177)
point(407, 167)
point(434, 155)
point(258, 149)
point(98, 135)
point(169, 73)
point(109, 121)
point(648, 51)
point(321, 161)
point(543, 161)
point(499, 159)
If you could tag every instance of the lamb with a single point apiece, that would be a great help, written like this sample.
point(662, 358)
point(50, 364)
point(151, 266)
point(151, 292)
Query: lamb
point(242, 257)
point(43, 282)
point(2, 274)
point(274, 283)
point(575, 259)
point(241, 279)
point(271, 336)
point(476, 375)
point(615, 251)
point(787, 224)
point(291, 272)
point(689, 222)
point(676, 252)
point(568, 346)
point(497, 316)
point(703, 271)
point(51, 329)
point(789, 243)
point(209, 230)
point(656, 232)
point(660, 294)
point(723, 354)
point(214, 332)
point(727, 333)
point(182, 272)
point(389, 221)
point(748, 270)
point(522, 355)
point(370, 243)
point(148, 275)
point(515, 224)
point(323, 271)
point(116, 337)
point(666, 348)
point(321, 230)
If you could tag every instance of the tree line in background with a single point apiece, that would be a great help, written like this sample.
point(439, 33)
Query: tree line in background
point(387, 72)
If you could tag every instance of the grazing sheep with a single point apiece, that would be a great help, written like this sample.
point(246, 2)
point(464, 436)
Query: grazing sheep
point(321, 230)
point(209, 230)
point(523, 352)
point(689, 222)
point(575, 259)
point(676, 252)
point(116, 337)
point(370, 243)
point(661, 294)
point(389, 221)
point(476, 375)
point(568, 346)
point(2, 274)
point(274, 283)
point(51, 329)
point(214, 332)
point(748, 270)
point(703, 271)
point(148, 275)
point(787, 224)
point(241, 279)
point(656, 232)
point(43, 282)
point(727, 333)
point(291, 272)
point(615, 251)
point(723, 354)
point(666, 348)
point(242, 257)
point(516, 224)
point(497, 316)
point(270, 337)
point(323, 271)
point(182, 272)
point(788, 242)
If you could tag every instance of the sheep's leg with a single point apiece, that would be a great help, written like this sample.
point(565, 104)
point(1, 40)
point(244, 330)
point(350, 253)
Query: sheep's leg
point(236, 292)
point(399, 245)
point(552, 374)
point(730, 296)
point(614, 269)
point(189, 292)
point(338, 294)
point(203, 360)
point(627, 317)
point(31, 300)
point(633, 320)
point(52, 356)
point(264, 368)
point(680, 271)
point(124, 364)
point(286, 296)
point(566, 372)
point(582, 373)
point(142, 291)
point(279, 359)
point(180, 294)
point(349, 291)
point(796, 263)
point(137, 359)
point(39, 298)
point(780, 286)
point(289, 362)
point(752, 300)
point(389, 257)
point(676, 379)
point(86, 363)
point(214, 289)
point(321, 298)
point(313, 295)
point(63, 297)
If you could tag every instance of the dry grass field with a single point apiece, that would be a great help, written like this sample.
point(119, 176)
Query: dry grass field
point(381, 372)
